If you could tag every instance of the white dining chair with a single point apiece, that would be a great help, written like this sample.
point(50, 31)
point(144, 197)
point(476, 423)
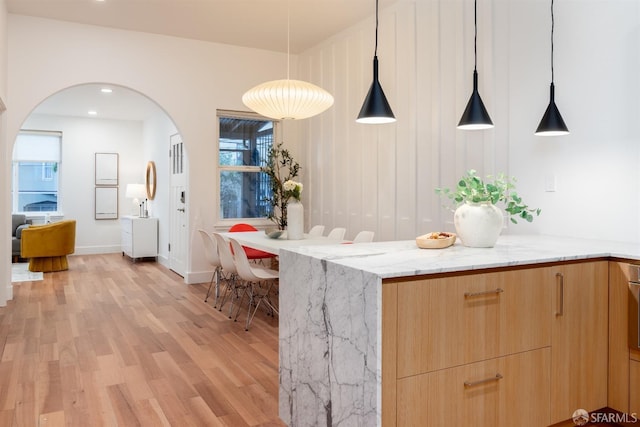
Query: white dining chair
point(316, 230)
point(364, 237)
point(212, 256)
point(258, 283)
point(337, 233)
point(234, 288)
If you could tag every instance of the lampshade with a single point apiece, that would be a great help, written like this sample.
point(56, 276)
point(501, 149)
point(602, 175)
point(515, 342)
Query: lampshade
point(375, 109)
point(287, 99)
point(552, 123)
point(475, 116)
point(135, 191)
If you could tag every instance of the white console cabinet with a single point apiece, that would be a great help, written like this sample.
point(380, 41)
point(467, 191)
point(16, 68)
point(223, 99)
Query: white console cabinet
point(139, 237)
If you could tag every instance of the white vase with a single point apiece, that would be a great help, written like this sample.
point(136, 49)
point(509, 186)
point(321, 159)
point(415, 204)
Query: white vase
point(295, 220)
point(478, 225)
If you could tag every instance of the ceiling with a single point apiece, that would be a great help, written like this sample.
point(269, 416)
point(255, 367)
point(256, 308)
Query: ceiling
point(258, 24)
point(251, 23)
point(77, 101)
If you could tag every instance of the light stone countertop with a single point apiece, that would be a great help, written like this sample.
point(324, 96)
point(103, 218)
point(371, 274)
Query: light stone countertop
point(330, 323)
point(404, 258)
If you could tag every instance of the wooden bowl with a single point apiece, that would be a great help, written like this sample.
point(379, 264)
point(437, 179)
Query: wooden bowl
point(436, 240)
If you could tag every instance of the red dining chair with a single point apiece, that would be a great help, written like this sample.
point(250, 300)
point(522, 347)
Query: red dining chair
point(252, 254)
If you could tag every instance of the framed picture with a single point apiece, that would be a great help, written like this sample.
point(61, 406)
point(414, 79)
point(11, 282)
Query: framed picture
point(107, 169)
point(106, 203)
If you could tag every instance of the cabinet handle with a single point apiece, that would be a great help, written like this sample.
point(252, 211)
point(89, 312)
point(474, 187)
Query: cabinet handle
point(478, 294)
point(497, 377)
point(560, 281)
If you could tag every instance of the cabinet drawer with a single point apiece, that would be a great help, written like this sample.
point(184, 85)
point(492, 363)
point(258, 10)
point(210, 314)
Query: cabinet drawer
point(634, 389)
point(452, 321)
point(508, 391)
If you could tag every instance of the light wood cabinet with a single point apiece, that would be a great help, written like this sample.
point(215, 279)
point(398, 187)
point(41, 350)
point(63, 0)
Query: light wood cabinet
point(538, 336)
point(579, 338)
point(451, 321)
point(618, 381)
point(507, 391)
point(624, 371)
point(634, 391)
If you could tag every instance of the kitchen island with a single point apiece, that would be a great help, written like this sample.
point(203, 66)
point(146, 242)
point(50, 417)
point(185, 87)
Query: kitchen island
point(340, 351)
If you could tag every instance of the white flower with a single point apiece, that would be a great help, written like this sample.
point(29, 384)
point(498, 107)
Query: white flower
point(290, 185)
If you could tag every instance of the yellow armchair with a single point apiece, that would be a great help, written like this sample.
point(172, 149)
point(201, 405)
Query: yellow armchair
point(47, 246)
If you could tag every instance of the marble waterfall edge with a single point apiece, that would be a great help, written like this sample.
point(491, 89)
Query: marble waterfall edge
point(330, 343)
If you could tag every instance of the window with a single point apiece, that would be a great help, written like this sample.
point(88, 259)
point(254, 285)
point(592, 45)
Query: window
point(36, 168)
point(244, 143)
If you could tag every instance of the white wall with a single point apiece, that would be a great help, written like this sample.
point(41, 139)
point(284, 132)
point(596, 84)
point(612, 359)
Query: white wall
point(81, 139)
point(382, 177)
point(136, 143)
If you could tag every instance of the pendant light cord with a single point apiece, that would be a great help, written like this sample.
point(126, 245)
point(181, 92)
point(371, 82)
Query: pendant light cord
point(552, 28)
point(475, 35)
point(375, 52)
point(288, 35)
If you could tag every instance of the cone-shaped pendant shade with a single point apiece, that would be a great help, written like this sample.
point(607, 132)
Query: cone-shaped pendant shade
point(475, 116)
point(375, 108)
point(552, 123)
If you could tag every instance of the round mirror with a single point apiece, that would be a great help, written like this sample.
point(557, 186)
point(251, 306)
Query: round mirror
point(151, 180)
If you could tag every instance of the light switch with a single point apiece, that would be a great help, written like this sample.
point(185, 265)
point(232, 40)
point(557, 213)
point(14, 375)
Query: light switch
point(550, 183)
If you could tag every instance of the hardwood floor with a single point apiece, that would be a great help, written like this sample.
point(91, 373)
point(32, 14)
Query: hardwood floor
point(109, 342)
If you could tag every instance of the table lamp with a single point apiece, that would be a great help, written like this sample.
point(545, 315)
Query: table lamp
point(138, 193)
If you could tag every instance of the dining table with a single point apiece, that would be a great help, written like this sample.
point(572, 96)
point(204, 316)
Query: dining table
point(259, 240)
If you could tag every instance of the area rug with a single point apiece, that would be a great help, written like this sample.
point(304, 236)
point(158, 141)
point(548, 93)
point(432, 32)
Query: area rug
point(20, 273)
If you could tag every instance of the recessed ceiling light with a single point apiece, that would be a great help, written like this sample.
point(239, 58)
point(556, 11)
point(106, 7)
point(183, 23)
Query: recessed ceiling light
point(92, 112)
point(106, 90)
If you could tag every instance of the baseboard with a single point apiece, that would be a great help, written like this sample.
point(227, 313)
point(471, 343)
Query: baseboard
point(194, 277)
point(97, 250)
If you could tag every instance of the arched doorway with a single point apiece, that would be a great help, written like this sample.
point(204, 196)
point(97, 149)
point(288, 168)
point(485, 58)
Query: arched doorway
point(106, 118)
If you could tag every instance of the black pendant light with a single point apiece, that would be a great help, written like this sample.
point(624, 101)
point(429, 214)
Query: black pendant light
point(475, 116)
point(375, 108)
point(552, 123)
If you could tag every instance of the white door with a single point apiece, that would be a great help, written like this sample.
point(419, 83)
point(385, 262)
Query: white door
point(178, 230)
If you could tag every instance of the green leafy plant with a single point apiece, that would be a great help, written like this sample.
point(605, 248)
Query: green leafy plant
point(473, 189)
point(281, 169)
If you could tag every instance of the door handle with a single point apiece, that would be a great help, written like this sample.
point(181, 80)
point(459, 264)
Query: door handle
point(560, 281)
point(496, 291)
point(496, 377)
point(180, 209)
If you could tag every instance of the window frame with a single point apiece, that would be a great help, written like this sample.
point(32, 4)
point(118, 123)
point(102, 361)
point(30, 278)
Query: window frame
point(225, 223)
point(45, 164)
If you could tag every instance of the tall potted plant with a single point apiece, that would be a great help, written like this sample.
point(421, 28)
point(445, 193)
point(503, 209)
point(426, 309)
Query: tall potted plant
point(281, 168)
point(477, 220)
